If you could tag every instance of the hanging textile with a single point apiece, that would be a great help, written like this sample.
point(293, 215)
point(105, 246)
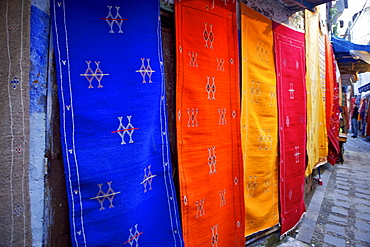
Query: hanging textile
point(259, 122)
point(362, 114)
point(332, 104)
point(323, 140)
point(291, 88)
point(208, 135)
point(367, 133)
point(113, 124)
point(15, 217)
point(315, 81)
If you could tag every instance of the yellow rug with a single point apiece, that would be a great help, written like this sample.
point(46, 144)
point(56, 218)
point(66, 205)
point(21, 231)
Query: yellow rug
point(323, 139)
point(317, 148)
point(259, 122)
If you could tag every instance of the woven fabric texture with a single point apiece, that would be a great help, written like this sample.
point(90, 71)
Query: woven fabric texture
point(208, 136)
point(259, 121)
point(322, 104)
point(315, 81)
point(113, 124)
point(15, 217)
point(291, 87)
point(332, 104)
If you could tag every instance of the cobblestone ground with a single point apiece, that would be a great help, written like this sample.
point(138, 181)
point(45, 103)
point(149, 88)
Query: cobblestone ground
point(338, 213)
point(344, 213)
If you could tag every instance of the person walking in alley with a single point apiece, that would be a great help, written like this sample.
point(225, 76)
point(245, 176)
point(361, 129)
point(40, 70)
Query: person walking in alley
point(362, 112)
point(354, 121)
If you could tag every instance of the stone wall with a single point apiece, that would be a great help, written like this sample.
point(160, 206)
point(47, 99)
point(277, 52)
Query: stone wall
point(271, 9)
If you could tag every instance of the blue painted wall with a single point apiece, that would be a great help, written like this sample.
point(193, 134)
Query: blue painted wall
point(39, 59)
point(39, 47)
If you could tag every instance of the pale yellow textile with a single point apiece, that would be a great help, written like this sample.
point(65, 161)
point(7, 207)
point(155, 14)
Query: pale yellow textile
point(317, 146)
point(259, 122)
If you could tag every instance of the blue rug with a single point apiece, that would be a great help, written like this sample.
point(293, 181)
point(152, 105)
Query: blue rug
point(114, 123)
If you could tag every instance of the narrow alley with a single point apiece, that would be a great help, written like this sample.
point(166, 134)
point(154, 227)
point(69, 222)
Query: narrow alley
point(339, 212)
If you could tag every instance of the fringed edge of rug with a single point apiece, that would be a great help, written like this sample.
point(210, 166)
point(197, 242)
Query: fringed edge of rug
point(262, 233)
point(264, 230)
point(293, 228)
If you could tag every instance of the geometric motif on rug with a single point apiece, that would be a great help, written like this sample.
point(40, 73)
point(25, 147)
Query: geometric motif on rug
point(316, 127)
point(259, 122)
point(114, 124)
point(15, 217)
point(208, 137)
point(290, 69)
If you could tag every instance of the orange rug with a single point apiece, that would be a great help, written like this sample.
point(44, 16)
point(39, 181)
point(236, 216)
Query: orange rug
point(208, 133)
point(322, 102)
point(259, 122)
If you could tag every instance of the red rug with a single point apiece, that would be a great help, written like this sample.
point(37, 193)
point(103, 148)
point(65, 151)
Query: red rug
point(208, 133)
point(367, 133)
point(290, 70)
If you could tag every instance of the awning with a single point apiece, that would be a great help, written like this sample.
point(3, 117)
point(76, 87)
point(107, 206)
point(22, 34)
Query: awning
point(297, 5)
point(348, 56)
point(363, 55)
point(364, 88)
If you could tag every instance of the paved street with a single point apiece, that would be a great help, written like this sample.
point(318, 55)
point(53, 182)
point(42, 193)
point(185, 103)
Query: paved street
point(339, 212)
